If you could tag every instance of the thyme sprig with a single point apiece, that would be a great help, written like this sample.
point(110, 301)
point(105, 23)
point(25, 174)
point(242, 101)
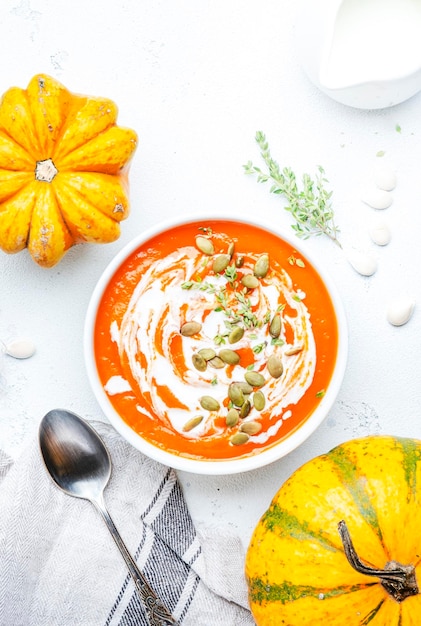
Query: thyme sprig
point(200, 285)
point(310, 206)
point(235, 304)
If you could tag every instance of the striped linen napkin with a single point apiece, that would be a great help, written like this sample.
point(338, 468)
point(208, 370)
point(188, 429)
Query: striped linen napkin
point(60, 567)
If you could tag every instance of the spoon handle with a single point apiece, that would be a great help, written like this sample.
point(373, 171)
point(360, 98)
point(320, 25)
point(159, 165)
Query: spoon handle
point(158, 614)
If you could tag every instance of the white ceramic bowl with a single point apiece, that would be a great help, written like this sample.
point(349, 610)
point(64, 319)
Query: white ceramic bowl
point(223, 466)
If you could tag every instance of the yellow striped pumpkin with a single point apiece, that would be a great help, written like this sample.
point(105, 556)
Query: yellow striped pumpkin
point(63, 170)
point(341, 541)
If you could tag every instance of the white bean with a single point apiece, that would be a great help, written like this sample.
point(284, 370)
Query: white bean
point(400, 311)
point(362, 263)
point(380, 233)
point(377, 198)
point(20, 348)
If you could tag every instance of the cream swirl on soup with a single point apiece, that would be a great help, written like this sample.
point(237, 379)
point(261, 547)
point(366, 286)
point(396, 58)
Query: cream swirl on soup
point(164, 367)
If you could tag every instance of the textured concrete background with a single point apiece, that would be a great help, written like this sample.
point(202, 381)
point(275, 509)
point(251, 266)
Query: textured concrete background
point(197, 80)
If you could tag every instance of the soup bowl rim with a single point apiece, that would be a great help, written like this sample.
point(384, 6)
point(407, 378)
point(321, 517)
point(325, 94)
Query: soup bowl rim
point(208, 466)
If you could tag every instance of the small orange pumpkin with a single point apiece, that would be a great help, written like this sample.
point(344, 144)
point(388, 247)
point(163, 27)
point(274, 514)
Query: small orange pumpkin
point(63, 170)
point(341, 543)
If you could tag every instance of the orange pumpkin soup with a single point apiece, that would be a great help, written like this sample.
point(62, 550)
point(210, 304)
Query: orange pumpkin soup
point(215, 340)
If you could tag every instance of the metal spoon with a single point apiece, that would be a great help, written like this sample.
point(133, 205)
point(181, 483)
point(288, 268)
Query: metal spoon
point(80, 465)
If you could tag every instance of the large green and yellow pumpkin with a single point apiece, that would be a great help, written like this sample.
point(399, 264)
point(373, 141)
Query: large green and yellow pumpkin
point(341, 541)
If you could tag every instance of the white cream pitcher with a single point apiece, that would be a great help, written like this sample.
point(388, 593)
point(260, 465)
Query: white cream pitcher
point(363, 53)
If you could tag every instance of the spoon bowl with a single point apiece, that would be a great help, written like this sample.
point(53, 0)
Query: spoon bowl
point(74, 455)
point(80, 465)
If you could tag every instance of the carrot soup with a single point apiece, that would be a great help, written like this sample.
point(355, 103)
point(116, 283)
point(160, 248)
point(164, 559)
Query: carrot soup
point(215, 340)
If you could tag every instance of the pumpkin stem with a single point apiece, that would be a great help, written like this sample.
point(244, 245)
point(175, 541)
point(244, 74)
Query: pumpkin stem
point(398, 580)
point(45, 170)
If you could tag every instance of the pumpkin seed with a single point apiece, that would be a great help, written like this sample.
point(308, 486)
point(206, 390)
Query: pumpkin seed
point(205, 245)
point(245, 387)
point(275, 366)
point(192, 423)
point(245, 409)
point(377, 198)
point(259, 401)
point(189, 329)
point(209, 404)
point(19, 348)
point(254, 379)
point(199, 362)
point(250, 281)
point(251, 428)
point(239, 261)
point(261, 267)
point(275, 326)
point(400, 311)
point(231, 248)
point(220, 263)
point(239, 439)
point(232, 418)
point(235, 394)
point(207, 353)
point(216, 362)
point(293, 350)
point(229, 356)
point(236, 334)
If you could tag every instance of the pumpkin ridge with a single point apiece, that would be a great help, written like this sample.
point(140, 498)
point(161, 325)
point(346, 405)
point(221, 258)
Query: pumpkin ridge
point(80, 216)
point(109, 152)
point(24, 134)
point(114, 214)
point(13, 157)
point(350, 477)
point(23, 180)
point(411, 457)
point(278, 518)
point(65, 223)
point(15, 220)
point(50, 102)
point(49, 235)
point(260, 591)
point(5, 131)
point(75, 107)
point(77, 131)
